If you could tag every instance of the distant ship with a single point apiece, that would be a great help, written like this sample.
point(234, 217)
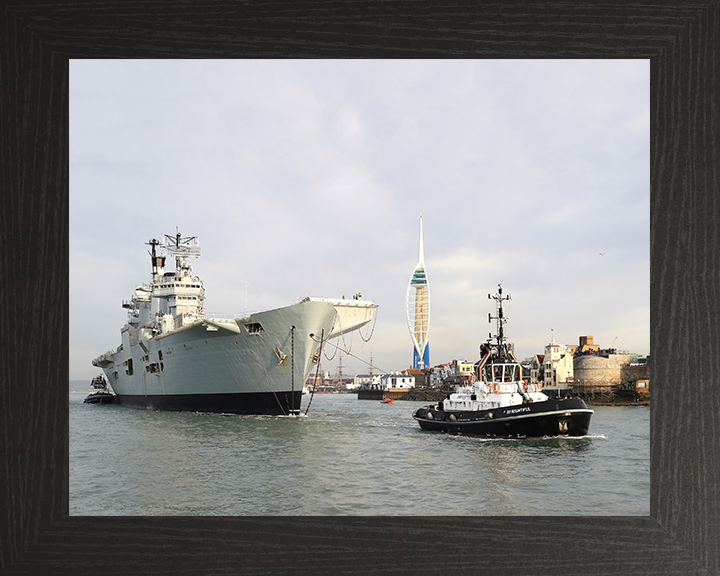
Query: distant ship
point(174, 357)
point(499, 403)
point(99, 392)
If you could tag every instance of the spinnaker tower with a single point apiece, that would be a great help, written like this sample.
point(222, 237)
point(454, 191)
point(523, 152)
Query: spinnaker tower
point(418, 310)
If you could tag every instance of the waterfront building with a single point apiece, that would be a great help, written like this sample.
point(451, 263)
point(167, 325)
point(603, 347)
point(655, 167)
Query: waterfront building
point(463, 372)
point(532, 368)
point(437, 375)
point(558, 368)
point(367, 380)
point(455, 372)
point(396, 380)
point(418, 310)
point(586, 346)
point(421, 376)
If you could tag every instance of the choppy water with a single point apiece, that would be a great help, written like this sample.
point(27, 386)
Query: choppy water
point(347, 457)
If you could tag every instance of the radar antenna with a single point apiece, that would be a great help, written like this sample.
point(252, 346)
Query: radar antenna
point(182, 248)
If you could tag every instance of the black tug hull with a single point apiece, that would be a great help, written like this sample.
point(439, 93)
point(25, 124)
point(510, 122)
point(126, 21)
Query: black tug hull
point(557, 417)
point(100, 398)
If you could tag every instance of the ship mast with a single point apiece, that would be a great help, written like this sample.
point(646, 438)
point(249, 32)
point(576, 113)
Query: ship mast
point(501, 319)
point(500, 345)
point(157, 262)
point(502, 353)
point(340, 373)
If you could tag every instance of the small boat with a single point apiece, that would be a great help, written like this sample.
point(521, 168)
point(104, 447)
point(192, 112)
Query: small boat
point(497, 402)
point(99, 392)
point(387, 401)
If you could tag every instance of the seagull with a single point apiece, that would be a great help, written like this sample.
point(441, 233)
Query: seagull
point(601, 253)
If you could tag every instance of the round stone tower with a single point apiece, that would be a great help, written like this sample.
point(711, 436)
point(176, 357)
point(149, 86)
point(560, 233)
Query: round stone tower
point(596, 375)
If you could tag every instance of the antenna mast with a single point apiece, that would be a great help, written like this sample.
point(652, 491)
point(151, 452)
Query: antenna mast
point(157, 262)
point(501, 319)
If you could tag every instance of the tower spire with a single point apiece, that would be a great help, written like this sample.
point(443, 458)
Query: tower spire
point(421, 256)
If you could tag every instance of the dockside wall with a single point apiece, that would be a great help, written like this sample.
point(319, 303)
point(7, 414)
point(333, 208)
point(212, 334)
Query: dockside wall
point(392, 393)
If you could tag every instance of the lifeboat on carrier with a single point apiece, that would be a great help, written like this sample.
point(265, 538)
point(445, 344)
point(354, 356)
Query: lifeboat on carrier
point(500, 403)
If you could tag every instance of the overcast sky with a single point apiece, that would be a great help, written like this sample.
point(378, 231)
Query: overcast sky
point(309, 178)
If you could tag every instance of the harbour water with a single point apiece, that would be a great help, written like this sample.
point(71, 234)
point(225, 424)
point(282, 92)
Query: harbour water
point(347, 457)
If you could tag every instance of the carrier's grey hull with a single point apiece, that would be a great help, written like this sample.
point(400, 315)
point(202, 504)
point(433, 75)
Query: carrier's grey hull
point(204, 367)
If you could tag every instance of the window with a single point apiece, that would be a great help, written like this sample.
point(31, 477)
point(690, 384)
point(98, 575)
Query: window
point(254, 328)
point(511, 373)
point(498, 373)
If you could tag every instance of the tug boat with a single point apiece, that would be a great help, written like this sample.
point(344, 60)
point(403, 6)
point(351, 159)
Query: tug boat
point(496, 401)
point(99, 392)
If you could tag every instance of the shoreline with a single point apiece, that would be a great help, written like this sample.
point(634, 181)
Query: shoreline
point(643, 403)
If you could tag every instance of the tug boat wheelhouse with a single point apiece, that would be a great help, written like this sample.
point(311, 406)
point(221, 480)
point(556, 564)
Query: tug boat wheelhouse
point(499, 403)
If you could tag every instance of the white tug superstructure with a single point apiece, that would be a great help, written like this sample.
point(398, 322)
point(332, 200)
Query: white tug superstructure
point(173, 357)
point(483, 396)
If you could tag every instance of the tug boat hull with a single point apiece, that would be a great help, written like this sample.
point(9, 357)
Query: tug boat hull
point(100, 398)
point(564, 417)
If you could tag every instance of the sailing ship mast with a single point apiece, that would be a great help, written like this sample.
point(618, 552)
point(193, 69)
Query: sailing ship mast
point(340, 367)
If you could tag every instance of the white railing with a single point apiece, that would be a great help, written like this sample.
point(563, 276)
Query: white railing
point(234, 315)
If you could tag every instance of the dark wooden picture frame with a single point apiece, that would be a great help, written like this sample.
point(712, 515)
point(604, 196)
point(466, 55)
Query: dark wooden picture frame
point(681, 535)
